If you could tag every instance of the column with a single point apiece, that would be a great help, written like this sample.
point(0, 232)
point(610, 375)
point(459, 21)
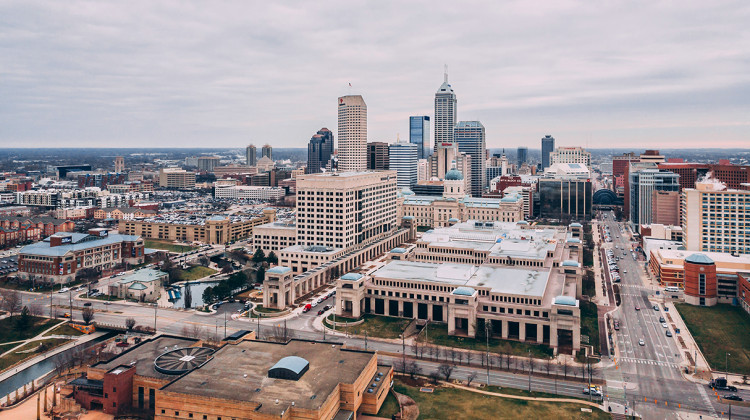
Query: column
point(576, 338)
point(522, 331)
point(451, 322)
point(505, 329)
point(539, 333)
point(429, 311)
point(400, 307)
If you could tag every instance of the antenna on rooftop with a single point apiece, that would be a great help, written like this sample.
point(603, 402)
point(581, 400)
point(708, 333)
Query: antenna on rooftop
point(445, 73)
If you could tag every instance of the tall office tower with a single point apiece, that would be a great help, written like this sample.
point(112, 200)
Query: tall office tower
point(251, 155)
point(643, 183)
point(366, 201)
point(548, 145)
point(403, 158)
point(377, 156)
point(470, 138)
point(445, 114)
point(446, 157)
point(352, 150)
point(319, 151)
point(522, 155)
point(715, 219)
point(267, 151)
point(119, 164)
point(423, 170)
point(571, 155)
point(419, 134)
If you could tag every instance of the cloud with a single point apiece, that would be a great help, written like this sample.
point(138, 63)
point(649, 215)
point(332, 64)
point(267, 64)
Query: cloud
point(223, 74)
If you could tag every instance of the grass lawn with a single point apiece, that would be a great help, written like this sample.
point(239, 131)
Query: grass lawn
point(260, 308)
point(524, 393)
point(6, 347)
point(590, 323)
point(196, 272)
point(9, 331)
point(444, 403)
point(438, 334)
point(719, 330)
point(342, 318)
point(389, 407)
point(168, 246)
point(589, 283)
point(376, 326)
point(64, 329)
point(15, 357)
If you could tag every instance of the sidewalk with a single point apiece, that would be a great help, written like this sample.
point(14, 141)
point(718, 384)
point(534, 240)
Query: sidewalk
point(37, 337)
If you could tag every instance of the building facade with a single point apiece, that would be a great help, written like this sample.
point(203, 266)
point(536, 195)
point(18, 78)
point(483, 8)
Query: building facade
point(470, 137)
point(419, 134)
point(176, 178)
point(319, 151)
point(208, 163)
point(377, 156)
point(352, 123)
point(665, 209)
point(716, 219)
point(267, 151)
point(446, 112)
point(522, 156)
point(403, 158)
point(245, 192)
point(548, 145)
point(251, 155)
point(571, 155)
point(565, 199)
point(642, 185)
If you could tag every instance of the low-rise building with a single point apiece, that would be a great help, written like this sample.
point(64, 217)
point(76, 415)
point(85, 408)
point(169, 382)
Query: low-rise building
point(275, 236)
point(245, 192)
point(57, 258)
point(142, 285)
point(125, 213)
point(176, 178)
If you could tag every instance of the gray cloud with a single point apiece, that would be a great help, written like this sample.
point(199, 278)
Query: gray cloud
point(209, 74)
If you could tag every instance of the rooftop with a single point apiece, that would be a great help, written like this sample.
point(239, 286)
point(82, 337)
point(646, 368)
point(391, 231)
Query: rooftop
point(78, 242)
point(143, 275)
point(143, 355)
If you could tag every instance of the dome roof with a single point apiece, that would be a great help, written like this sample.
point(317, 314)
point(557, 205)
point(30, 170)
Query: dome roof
point(453, 175)
point(699, 259)
point(565, 300)
point(463, 291)
point(570, 263)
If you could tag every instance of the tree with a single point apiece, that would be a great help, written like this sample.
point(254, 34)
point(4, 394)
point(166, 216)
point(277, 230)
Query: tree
point(24, 321)
point(272, 258)
point(259, 256)
point(565, 367)
point(470, 378)
point(87, 274)
point(208, 295)
point(445, 370)
point(188, 299)
point(204, 261)
point(435, 377)
point(130, 324)
point(227, 269)
point(469, 356)
point(412, 369)
point(11, 301)
point(87, 314)
point(260, 275)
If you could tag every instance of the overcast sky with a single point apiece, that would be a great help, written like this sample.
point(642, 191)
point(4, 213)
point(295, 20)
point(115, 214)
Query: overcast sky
point(223, 74)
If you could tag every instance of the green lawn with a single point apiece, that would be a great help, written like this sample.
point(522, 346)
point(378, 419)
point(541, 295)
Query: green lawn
point(389, 407)
point(15, 357)
point(376, 326)
point(168, 246)
point(260, 308)
point(10, 332)
point(589, 283)
point(524, 393)
point(196, 272)
point(438, 334)
point(719, 330)
point(444, 403)
point(590, 323)
point(64, 329)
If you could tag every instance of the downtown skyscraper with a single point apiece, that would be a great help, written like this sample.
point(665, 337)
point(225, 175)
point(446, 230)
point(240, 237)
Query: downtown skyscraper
point(470, 137)
point(445, 113)
point(548, 146)
point(251, 155)
point(352, 150)
point(419, 134)
point(403, 159)
point(319, 151)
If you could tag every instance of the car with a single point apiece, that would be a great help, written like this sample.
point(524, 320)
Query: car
point(637, 308)
point(669, 333)
point(732, 397)
point(656, 307)
point(66, 315)
point(321, 312)
point(87, 304)
point(327, 307)
point(624, 271)
point(314, 304)
point(106, 302)
point(307, 308)
point(664, 324)
point(617, 325)
point(63, 290)
point(661, 319)
point(641, 342)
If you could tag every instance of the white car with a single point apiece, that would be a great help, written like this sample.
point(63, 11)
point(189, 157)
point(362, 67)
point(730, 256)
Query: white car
point(641, 342)
point(664, 324)
point(315, 303)
point(63, 290)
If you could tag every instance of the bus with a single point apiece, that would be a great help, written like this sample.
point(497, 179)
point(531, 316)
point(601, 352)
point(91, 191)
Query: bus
point(672, 289)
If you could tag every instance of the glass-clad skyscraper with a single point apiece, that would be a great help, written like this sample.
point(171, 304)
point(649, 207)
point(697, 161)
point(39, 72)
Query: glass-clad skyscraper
point(471, 140)
point(548, 146)
point(419, 134)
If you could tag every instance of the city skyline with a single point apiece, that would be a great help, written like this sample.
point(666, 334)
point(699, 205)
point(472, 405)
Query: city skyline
point(110, 74)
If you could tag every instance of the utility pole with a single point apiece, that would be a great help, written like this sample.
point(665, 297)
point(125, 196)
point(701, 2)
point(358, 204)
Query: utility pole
point(225, 323)
point(258, 332)
point(589, 367)
point(726, 366)
point(156, 307)
point(365, 340)
point(530, 362)
point(70, 299)
point(487, 347)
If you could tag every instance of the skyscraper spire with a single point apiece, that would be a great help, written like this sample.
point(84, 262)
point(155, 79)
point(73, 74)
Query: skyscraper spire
point(445, 73)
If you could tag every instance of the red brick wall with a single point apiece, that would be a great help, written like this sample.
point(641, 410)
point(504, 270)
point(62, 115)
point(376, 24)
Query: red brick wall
point(692, 272)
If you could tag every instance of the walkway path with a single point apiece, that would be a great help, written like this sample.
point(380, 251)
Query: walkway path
point(39, 336)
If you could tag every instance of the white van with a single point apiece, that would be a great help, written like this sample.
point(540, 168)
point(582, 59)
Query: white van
point(672, 289)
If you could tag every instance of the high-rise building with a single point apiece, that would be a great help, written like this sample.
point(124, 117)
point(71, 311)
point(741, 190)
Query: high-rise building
point(251, 155)
point(665, 209)
point(715, 218)
point(176, 178)
point(548, 145)
point(571, 155)
point(377, 156)
point(352, 150)
point(470, 137)
point(267, 151)
point(522, 156)
point(643, 183)
point(403, 159)
point(208, 163)
point(119, 164)
point(445, 113)
point(423, 170)
point(319, 151)
point(419, 134)
point(366, 201)
point(652, 156)
point(733, 176)
point(447, 156)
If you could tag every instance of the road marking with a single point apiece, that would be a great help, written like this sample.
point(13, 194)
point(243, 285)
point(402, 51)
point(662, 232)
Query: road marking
point(704, 394)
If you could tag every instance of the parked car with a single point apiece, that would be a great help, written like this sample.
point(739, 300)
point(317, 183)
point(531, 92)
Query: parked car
point(641, 342)
point(637, 308)
point(661, 319)
point(733, 397)
point(307, 308)
point(321, 312)
point(669, 333)
point(656, 307)
point(87, 304)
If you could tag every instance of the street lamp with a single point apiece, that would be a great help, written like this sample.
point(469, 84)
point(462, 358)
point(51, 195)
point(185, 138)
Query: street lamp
point(726, 366)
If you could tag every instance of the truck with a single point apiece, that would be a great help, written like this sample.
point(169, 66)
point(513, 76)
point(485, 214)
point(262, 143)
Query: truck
point(722, 385)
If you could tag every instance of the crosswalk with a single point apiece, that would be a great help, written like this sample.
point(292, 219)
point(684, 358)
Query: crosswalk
point(648, 362)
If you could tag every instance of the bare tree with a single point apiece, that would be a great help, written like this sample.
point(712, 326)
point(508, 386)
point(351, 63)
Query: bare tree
point(35, 309)
point(460, 357)
point(483, 357)
point(531, 365)
point(87, 314)
point(435, 377)
point(445, 370)
point(470, 378)
point(453, 355)
point(281, 333)
point(507, 361)
point(549, 363)
point(565, 367)
point(469, 356)
point(400, 366)
point(130, 324)
point(11, 301)
point(413, 369)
